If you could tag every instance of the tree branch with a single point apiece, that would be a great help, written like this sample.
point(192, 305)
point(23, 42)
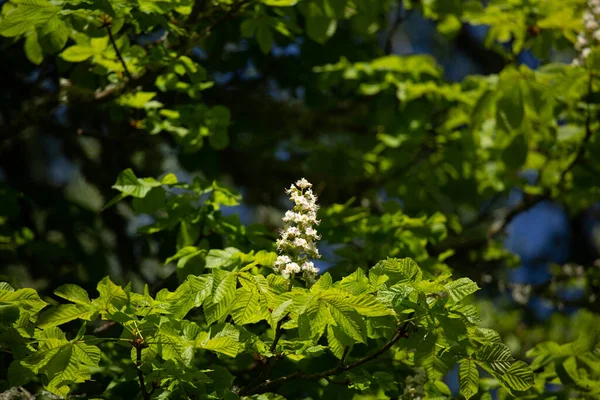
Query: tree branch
point(401, 16)
point(138, 364)
point(119, 56)
point(401, 332)
point(278, 333)
point(531, 201)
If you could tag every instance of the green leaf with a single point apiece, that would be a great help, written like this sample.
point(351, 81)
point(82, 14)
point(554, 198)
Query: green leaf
point(28, 15)
point(33, 50)
point(518, 377)
point(461, 288)
point(112, 297)
point(313, 318)
point(468, 378)
point(264, 37)
point(495, 357)
point(510, 110)
point(27, 299)
point(151, 203)
point(224, 344)
point(53, 35)
point(357, 283)
point(334, 342)
point(136, 100)
point(6, 287)
point(73, 293)
point(366, 304)
point(398, 270)
point(348, 321)
point(318, 26)
point(223, 259)
point(64, 313)
point(224, 285)
point(515, 154)
point(78, 53)
point(280, 3)
point(131, 185)
point(246, 308)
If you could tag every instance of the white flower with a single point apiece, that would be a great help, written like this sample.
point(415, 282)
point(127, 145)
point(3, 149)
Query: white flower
point(296, 243)
point(292, 231)
point(299, 242)
point(290, 216)
point(590, 36)
point(293, 267)
point(311, 232)
point(303, 184)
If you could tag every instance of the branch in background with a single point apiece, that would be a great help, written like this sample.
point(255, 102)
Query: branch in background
point(119, 56)
point(401, 15)
point(528, 203)
point(112, 92)
point(531, 201)
point(401, 332)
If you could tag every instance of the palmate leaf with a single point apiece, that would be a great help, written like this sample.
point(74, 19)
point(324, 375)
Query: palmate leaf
point(64, 313)
point(60, 361)
point(468, 378)
point(69, 365)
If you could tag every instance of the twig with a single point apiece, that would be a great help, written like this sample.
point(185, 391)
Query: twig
point(119, 56)
point(138, 364)
point(401, 332)
point(278, 333)
point(345, 355)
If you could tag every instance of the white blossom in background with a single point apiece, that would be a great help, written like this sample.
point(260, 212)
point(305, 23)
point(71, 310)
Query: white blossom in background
point(297, 242)
point(590, 35)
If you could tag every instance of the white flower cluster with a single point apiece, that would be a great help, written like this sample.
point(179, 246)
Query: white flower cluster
point(297, 242)
point(590, 36)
